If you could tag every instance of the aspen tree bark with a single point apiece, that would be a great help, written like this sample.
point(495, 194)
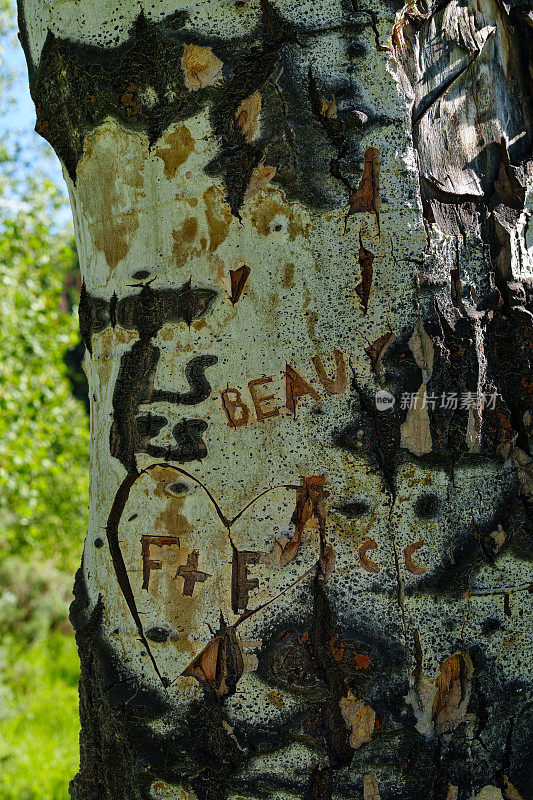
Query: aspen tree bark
point(303, 234)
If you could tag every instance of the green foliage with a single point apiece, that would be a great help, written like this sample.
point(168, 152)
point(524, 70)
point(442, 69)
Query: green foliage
point(43, 499)
point(43, 502)
point(44, 443)
point(39, 721)
point(44, 430)
point(33, 601)
point(38, 689)
point(39, 672)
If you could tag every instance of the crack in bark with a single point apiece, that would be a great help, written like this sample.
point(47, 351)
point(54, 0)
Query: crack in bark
point(113, 521)
point(373, 21)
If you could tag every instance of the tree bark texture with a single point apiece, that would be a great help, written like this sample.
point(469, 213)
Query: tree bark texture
point(303, 233)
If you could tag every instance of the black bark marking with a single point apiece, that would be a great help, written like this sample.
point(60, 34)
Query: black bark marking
point(157, 634)
point(113, 521)
point(332, 725)
point(352, 509)
point(320, 786)
point(190, 444)
point(147, 312)
point(75, 87)
point(93, 313)
point(200, 387)
point(133, 386)
point(150, 309)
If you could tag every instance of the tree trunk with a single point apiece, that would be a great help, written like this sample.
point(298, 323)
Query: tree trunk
point(303, 234)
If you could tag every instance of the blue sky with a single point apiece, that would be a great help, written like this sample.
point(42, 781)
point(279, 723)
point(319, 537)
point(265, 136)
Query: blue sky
point(24, 115)
point(17, 119)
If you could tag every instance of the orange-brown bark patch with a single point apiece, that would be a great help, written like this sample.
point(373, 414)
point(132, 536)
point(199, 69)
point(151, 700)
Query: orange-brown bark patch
point(453, 692)
point(201, 67)
point(266, 209)
point(247, 116)
point(108, 186)
point(366, 196)
point(183, 239)
point(218, 217)
point(311, 502)
point(178, 147)
point(261, 177)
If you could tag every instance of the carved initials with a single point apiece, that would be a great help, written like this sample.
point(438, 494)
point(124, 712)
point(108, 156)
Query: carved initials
point(150, 564)
point(191, 574)
point(259, 400)
point(241, 584)
point(410, 564)
point(237, 412)
point(367, 563)
point(340, 382)
point(296, 387)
